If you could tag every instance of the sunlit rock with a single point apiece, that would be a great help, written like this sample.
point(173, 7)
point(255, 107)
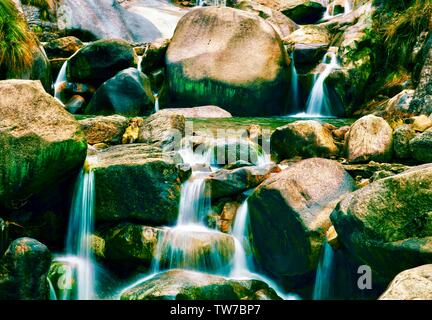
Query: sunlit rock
point(102, 129)
point(212, 60)
point(308, 138)
point(41, 143)
point(370, 138)
point(412, 284)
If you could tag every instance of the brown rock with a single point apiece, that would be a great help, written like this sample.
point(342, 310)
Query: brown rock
point(308, 138)
point(104, 129)
point(370, 138)
point(411, 284)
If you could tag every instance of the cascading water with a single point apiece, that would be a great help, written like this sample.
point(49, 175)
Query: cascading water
point(318, 104)
point(294, 85)
point(140, 58)
point(330, 9)
point(156, 105)
point(176, 246)
point(61, 78)
point(243, 264)
point(194, 203)
point(78, 259)
point(241, 261)
point(323, 284)
point(347, 6)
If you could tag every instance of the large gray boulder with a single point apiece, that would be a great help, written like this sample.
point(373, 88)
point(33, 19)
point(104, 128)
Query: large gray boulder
point(387, 225)
point(227, 57)
point(307, 139)
point(127, 93)
point(290, 213)
point(99, 61)
point(370, 139)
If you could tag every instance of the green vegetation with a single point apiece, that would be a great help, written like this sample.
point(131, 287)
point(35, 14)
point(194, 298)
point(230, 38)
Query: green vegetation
point(16, 41)
point(400, 29)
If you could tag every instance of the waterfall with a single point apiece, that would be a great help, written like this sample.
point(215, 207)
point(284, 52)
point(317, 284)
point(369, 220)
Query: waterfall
point(240, 233)
point(79, 260)
point(61, 78)
point(52, 293)
point(318, 104)
point(347, 6)
point(194, 202)
point(140, 58)
point(243, 265)
point(177, 248)
point(294, 84)
point(156, 105)
point(190, 244)
point(327, 14)
point(323, 281)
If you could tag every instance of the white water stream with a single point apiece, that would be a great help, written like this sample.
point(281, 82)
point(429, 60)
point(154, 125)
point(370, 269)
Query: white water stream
point(318, 104)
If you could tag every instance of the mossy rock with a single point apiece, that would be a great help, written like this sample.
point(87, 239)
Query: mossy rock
point(226, 73)
point(42, 144)
point(388, 224)
point(100, 61)
point(137, 182)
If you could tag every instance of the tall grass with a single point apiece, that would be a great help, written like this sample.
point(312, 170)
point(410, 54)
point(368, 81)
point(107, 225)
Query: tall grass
point(403, 28)
point(16, 41)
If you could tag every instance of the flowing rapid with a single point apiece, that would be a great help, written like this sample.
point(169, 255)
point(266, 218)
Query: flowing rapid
point(318, 104)
point(191, 244)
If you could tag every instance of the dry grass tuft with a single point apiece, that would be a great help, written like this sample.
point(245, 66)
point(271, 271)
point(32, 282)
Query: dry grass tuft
point(403, 28)
point(16, 41)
